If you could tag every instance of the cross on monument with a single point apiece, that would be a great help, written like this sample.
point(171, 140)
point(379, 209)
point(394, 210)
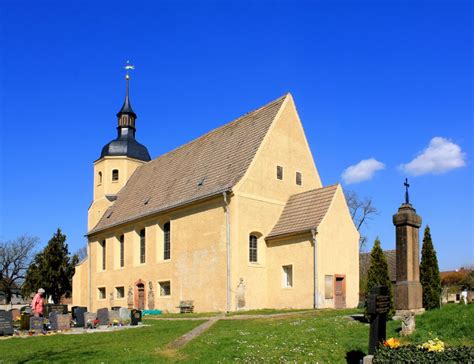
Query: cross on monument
point(407, 198)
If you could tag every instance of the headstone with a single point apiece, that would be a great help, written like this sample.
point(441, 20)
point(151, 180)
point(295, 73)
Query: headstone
point(124, 314)
point(25, 309)
point(408, 323)
point(15, 313)
point(80, 316)
point(151, 297)
point(408, 290)
point(378, 305)
point(89, 316)
point(114, 315)
point(136, 317)
point(64, 322)
point(73, 311)
point(36, 323)
point(6, 326)
point(25, 321)
point(50, 307)
point(53, 320)
point(103, 316)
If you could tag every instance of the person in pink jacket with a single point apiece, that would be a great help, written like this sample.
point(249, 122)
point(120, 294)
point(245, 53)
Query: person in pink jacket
point(37, 304)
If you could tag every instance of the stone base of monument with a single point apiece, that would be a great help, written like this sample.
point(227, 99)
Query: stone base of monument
point(408, 295)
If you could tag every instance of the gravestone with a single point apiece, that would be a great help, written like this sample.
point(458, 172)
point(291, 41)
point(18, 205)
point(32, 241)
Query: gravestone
point(53, 320)
point(64, 322)
point(80, 316)
point(50, 307)
point(378, 305)
point(6, 327)
point(73, 311)
point(103, 316)
point(114, 315)
point(25, 321)
point(136, 317)
point(124, 314)
point(15, 313)
point(25, 309)
point(36, 323)
point(89, 316)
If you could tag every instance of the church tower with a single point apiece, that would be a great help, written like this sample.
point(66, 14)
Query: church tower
point(118, 160)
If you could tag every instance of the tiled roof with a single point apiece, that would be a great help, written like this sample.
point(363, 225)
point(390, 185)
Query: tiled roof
point(304, 211)
point(202, 168)
point(390, 255)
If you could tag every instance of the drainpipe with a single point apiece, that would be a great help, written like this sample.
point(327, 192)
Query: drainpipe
point(227, 239)
point(89, 278)
point(314, 232)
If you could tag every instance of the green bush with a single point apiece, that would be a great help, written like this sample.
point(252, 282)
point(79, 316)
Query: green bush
point(411, 354)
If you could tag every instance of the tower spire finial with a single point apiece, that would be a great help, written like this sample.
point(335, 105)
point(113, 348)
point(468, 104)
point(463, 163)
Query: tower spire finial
point(126, 116)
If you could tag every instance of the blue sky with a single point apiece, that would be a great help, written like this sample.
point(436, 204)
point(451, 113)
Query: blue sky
point(371, 80)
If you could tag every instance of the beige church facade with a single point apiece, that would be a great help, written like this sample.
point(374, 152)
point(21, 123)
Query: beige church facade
point(236, 219)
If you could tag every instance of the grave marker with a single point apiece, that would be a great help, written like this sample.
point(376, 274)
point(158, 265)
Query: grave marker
point(114, 315)
point(15, 313)
point(25, 321)
point(79, 311)
point(64, 322)
point(6, 327)
point(378, 305)
point(124, 314)
point(50, 307)
point(36, 323)
point(53, 320)
point(103, 316)
point(89, 316)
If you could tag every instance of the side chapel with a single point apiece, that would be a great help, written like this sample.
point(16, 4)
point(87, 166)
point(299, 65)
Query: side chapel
point(236, 219)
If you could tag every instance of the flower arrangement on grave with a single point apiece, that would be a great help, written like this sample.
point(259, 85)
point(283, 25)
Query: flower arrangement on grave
point(116, 322)
point(92, 324)
point(392, 343)
point(432, 345)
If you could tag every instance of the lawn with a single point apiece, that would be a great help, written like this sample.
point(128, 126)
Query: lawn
point(324, 336)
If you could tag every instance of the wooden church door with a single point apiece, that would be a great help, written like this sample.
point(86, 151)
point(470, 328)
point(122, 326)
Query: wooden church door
point(141, 296)
point(340, 290)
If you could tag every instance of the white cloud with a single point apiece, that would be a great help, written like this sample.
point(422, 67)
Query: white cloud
point(362, 171)
point(440, 156)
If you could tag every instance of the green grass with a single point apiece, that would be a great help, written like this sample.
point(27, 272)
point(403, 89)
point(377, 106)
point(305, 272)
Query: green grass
point(324, 336)
point(185, 315)
point(131, 345)
point(265, 311)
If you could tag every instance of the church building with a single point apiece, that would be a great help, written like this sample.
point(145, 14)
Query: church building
point(236, 219)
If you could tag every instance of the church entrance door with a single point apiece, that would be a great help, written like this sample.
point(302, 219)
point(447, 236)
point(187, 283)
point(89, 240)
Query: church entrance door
point(141, 296)
point(340, 290)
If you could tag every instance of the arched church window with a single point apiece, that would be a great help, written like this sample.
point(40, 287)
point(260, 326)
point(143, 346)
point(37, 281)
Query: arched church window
point(115, 175)
point(99, 178)
point(167, 241)
point(142, 246)
point(253, 248)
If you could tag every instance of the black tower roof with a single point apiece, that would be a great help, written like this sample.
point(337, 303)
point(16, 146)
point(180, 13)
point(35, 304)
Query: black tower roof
point(125, 144)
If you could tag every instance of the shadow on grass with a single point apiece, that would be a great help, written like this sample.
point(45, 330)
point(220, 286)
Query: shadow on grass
point(354, 356)
point(57, 355)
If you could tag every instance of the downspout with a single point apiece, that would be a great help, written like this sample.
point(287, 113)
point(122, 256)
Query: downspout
point(314, 232)
point(227, 243)
point(89, 258)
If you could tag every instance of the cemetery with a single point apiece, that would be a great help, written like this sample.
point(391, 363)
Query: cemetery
point(57, 319)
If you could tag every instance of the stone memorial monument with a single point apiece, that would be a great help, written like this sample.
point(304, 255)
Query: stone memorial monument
point(408, 291)
point(79, 311)
point(151, 297)
point(130, 298)
point(6, 327)
point(36, 323)
point(103, 316)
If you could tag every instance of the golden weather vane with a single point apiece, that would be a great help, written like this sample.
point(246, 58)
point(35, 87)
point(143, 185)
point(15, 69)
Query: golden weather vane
point(128, 67)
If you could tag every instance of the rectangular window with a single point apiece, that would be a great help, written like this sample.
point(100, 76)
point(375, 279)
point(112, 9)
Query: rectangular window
point(120, 292)
point(102, 293)
point(253, 249)
point(279, 172)
point(328, 287)
point(142, 246)
point(287, 276)
point(167, 241)
point(299, 178)
point(104, 254)
point(122, 250)
point(165, 288)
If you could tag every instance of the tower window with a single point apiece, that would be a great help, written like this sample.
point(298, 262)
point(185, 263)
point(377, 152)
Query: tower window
point(279, 172)
point(142, 246)
point(115, 175)
point(253, 249)
point(167, 241)
point(104, 255)
point(122, 250)
point(99, 178)
point(299, 178)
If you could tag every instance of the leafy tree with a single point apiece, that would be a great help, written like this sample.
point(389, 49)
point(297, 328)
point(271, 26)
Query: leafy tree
point(15, 257)
point(378, 273)
point(429, 273)
point(361, 210)
point(52, 269)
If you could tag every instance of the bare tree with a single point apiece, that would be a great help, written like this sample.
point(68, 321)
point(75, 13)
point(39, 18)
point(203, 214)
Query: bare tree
point(81, 253)
point(15, 258)
point(361, 210)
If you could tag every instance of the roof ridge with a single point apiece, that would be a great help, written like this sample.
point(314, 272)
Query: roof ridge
point(316, 189)
point(271, 103)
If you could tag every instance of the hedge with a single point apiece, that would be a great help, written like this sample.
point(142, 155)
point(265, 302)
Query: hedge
point(412, 354)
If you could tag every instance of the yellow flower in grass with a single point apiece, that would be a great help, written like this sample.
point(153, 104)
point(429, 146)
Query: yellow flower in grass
point(392, 343)
point(433, 345)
